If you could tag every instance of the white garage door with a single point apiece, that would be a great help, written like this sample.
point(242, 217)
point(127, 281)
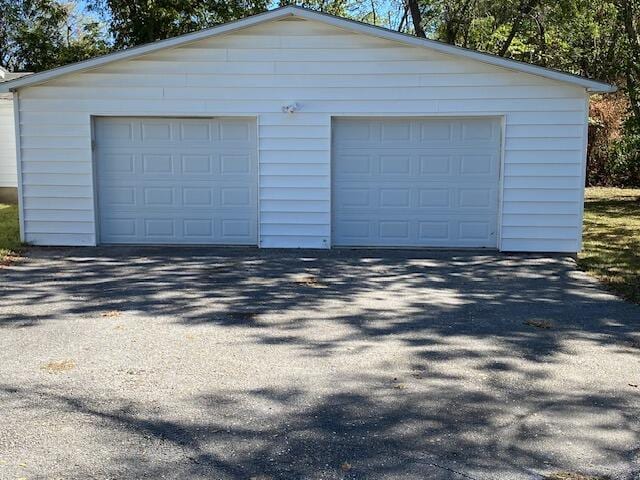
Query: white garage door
point(175, 181)
point(415, 182)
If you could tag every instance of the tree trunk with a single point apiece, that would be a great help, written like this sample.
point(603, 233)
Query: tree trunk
point(403, 19)
point(416, 17)
point(525, 9)
point(633, 63)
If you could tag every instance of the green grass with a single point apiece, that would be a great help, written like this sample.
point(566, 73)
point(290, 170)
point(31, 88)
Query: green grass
point(611, 249)
point(10, 245)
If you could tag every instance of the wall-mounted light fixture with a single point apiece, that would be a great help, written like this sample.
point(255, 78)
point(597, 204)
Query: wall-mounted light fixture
point(290, 108)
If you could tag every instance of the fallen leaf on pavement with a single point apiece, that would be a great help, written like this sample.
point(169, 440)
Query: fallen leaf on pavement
point(59, 367)
point(539, 323)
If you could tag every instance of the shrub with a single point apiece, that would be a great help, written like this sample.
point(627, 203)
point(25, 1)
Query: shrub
point(623, 166)
point(613, 154)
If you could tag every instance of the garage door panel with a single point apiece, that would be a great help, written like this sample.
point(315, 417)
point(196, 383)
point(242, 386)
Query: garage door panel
point(177, 181)
point(414, 232)
point(415, 182)
point(172, 164)
point(431, 197)
point(162, 227)
point(437, 165)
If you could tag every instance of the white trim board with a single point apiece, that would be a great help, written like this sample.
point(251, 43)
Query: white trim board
point(295, 11)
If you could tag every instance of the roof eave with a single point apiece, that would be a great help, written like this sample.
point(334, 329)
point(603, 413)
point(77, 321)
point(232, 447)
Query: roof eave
point(603, 88)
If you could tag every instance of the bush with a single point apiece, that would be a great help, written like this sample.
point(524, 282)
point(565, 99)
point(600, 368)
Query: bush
point(613, 155)
point(623, 166)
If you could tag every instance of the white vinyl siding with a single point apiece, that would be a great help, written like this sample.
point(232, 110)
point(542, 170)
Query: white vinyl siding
point(329, 72)
point(8, 171)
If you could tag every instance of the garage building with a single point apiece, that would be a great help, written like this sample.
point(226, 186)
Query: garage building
point(299, 129)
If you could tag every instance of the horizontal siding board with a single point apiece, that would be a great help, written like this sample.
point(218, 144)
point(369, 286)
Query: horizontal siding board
point(540, 220)
point(328, 72)
point(238, 40)
point(313, 169)
point(335, 80)
point(327, 79)
point(542, 170)
point(122, 92)
point(353, 92)
point(294, 143)
point(61, 239)
point(319, 54)
point(297, 181)
point(295, 27)
point(36, 119)
point(295, 218)
point(37, 226)
point(295, 229)
point(291, 206)
point(63, 179)
point(331, 41)
point(32, 129)
point(530, 182)
point(295, 131)
point(56, 167)
point(542, 195)
point(293, 241)
point(543, 157)
point(511, 104)
point(474, 79)
point(55, 155)
point(56, 141)
point(299, 119)
point(539, 245)
point(294, 156)
point(100, 78)
point(332, 78)
point(532, 232)
point(58, 215)
point(169, 68)
point(312, 67)
point(294, 193)
point(56, 203)
point(67, 191)
point(541, 208)
point(544, 131)
point(543, 143)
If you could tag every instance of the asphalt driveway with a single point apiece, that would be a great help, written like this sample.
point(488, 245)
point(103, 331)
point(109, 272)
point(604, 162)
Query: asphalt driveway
point(238, 364)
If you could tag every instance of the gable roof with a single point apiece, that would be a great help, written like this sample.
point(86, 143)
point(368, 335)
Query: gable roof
point(7, 76)
point(304, 13)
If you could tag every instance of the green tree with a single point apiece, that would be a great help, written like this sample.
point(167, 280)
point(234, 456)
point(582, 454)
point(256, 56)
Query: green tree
point(134, 22)
point(334, 7)
point(41, 34)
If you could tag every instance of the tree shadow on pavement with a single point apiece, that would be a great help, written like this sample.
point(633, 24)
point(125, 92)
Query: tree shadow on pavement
point(472, 400)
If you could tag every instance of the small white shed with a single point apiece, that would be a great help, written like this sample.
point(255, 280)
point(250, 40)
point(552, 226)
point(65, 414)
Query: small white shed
point(8, 172)
point(295, 128)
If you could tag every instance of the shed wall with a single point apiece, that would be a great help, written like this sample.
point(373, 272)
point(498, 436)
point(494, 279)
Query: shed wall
point(8, 172)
